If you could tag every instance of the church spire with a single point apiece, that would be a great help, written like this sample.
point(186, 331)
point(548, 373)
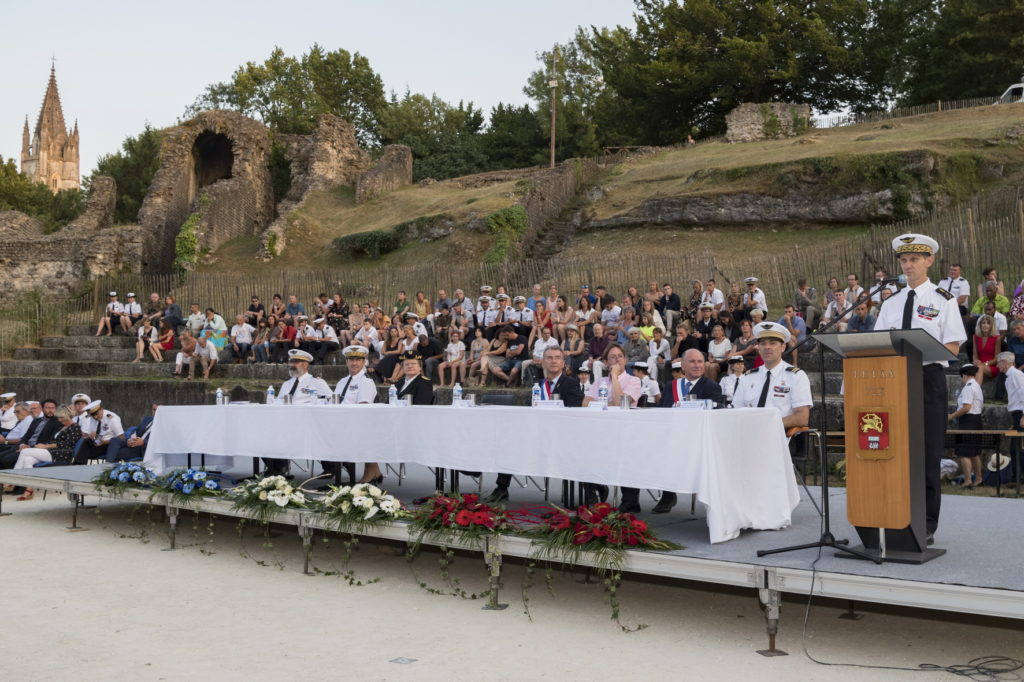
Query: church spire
point(26, 141)
point(51, 115)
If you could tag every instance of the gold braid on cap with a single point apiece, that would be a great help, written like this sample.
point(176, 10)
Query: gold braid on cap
point(914, 248)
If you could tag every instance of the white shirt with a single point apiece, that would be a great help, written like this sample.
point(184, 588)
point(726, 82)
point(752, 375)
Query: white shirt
point(877, 296)
point(832, 311)
point(1014, 390)
point(8, 419)
point(1000, 320)
point(756, 301)
point(715, 298)
point(788, 388)
point(486, 317)
point(651, 390)
point(328, 334)
point(971, 393)
point(610, 316)
point(367, 337)
point(309, 388)
point(540, 345)
point(853, 293)
point(20, 430)
point(663, 350)
point(513, 315)
point(729, 383)
point(958, 287)
point(209, 351)
point(361, 389)
point(933, 312)
point(108, 426)
point(115, 307)
point(153, 334)
point(419, 329)
point(196, 322)
point(132, 309)
point(720, 350)
point(242, 333)
point(453, 349)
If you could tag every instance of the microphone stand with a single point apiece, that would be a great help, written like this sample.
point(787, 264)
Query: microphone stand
point(827, 539)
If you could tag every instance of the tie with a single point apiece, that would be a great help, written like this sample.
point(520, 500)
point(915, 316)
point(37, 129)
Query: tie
point(141, 433)
point(35, 432)
point(295, 386)
point(345, 390)
point(764, 389)
point(547, 385)
point(687, 387)
point(908, 310)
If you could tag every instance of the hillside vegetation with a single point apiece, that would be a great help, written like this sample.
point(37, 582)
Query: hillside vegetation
point(966, 151)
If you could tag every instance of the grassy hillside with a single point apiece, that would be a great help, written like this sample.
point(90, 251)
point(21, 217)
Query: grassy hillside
point(970, 146)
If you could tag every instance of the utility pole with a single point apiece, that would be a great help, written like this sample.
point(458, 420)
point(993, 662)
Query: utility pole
point(553, 84)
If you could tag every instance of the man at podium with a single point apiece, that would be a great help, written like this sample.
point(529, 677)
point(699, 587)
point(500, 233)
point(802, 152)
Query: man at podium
point(923, 305)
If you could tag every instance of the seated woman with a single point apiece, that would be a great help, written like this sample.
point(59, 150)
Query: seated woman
point(454, 354)
point(575, 349)
point(166, 336)
point(60, 451)
point(474, 359)
point(111, 315)
point(261, 341)
point(719, 351)
point(148, 339)
point(277, 307)
point(987, 345)
point(492, 357)
point(389, 352)
point(338, 317)
point(215, 329)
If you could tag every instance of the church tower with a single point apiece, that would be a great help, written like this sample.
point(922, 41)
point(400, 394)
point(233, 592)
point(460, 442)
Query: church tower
point(50, 154)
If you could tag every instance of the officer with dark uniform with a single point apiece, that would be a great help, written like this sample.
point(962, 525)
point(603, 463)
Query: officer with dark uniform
point(413, 383)
point(923, 305)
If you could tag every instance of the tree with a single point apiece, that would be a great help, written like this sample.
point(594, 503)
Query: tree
point(18, 193)
point(445, 139)
point(965, 48)
point(133, 169)
point(688, 64)
point(513, 138)
point(289, 93)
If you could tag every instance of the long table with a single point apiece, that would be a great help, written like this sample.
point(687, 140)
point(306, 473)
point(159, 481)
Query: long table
point(736, 461)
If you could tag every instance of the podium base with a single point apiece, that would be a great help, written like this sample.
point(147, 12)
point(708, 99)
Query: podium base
point(894, 556)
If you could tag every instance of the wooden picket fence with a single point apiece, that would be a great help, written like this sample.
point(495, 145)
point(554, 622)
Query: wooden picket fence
point(843, 120)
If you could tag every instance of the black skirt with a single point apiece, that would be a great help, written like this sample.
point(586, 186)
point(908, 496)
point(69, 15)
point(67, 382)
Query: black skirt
point(968, 445)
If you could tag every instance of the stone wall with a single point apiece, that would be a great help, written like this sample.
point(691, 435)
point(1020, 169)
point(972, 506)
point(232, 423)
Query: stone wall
point(57, 263)
point(551, 192)
point(329, 157)
point(750, 122)
point(214, 165)
point(393, 170)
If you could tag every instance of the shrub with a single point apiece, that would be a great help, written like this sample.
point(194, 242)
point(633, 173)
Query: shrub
point(186, 244)
point(508, 226)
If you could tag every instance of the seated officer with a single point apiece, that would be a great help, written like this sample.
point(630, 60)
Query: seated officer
point(304, 389)
point(776, 383)
point(355, 389)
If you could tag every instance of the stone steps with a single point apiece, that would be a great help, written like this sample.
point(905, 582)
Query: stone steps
point(152, 370)
point(87, 342)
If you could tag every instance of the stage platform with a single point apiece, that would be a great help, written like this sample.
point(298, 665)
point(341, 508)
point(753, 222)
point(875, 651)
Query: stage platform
point(980, 572)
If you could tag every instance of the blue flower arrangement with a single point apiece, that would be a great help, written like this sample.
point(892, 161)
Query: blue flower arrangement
point(125, 475)
point(186, 484)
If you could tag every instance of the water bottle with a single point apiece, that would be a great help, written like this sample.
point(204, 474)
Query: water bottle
point(535, 393)
point(271, 395)
point(220, 396)
point(456, 394)
point(602, 393)
point(392, 395)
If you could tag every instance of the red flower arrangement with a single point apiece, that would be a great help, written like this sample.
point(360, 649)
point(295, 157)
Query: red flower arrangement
point(602, 524)
point(458, 516)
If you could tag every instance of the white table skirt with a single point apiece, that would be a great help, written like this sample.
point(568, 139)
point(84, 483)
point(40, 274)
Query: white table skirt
point(736, 461)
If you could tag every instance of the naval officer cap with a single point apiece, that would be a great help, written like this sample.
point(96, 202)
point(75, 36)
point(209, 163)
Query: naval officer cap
point(320, 320)
point(112, 294)
point(735, 360)
point(915, 243)
point(772, 330)
point(80, 398)
point(519, 299)
point(92, 407)
point(502, 297)
point(354, 351)
point(640, 365)
point(677, 363)
point(296, 354)
point(584, 369)
point(409, 355)
point(751, 280)
point(968, 369)
point(7, 396)
point(485, 288)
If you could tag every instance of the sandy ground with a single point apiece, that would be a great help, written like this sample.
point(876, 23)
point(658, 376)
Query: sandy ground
point(106, 604)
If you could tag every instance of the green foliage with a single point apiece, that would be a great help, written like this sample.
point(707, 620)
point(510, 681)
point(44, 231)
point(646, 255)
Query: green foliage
point(133, 169)
point(508, 227)
point(800, 125)
point(372, 244)
point(960, 174)
point(280, 172)
point(186, 243)
point(18, 193)
point(772, 125)
point(445, 139)
point(962, 48)
point(289, 93)
point(272, 244)
point(513, 138)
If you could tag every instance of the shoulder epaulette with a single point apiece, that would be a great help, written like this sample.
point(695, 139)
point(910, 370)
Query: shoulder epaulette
point(945, 294)
point(752, 371)
point(793, 369)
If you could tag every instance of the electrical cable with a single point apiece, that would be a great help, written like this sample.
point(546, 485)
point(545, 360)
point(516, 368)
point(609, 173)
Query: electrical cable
point(982, 669)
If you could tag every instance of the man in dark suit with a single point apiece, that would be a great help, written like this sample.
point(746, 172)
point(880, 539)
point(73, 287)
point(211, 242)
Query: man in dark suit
point(413, 383)
point(555, 382)
point(125, 448)
point(41, 430)
point(690, 383)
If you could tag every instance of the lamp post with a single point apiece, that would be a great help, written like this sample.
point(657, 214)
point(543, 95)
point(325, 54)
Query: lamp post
point(553, 84)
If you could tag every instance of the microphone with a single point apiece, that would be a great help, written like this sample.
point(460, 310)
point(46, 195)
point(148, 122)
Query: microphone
point(900, 279)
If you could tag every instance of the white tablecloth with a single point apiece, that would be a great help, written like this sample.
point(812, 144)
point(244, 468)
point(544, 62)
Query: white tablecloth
point(736, 461)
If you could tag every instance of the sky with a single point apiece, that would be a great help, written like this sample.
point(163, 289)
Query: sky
point(122, 64)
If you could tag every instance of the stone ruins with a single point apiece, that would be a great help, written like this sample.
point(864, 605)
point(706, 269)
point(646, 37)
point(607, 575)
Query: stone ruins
point(751, 122)
point(50, 153)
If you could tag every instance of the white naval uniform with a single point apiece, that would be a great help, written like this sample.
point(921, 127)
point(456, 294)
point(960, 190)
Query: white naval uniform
point(757, 300)
point(8, 419)
point(360, 389)
point(486, 317)
point(310, 387)
point(934, 312)
point(971, 393)
point(958, 287)
point(106, 428)
point(132, 309)
point(114, 307)
point(788, 389)
point(729, 383)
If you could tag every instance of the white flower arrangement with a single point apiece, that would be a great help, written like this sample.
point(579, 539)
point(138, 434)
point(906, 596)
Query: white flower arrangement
point(267, 495)
point(361, 502)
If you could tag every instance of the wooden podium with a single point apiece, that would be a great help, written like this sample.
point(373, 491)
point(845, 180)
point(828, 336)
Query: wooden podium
point(884, 426)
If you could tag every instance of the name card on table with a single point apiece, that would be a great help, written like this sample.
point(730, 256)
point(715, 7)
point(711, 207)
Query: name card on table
point(464, 402)
point(549, 403)
point(695, 405)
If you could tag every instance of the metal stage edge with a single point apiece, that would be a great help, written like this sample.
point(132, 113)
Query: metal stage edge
point(769, 581)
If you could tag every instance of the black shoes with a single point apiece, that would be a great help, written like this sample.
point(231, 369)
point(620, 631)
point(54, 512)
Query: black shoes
point(629, 507)
point(374, 481)
point(500, 494)
point(929, 539)
point(665, 504)
point(594, 493)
